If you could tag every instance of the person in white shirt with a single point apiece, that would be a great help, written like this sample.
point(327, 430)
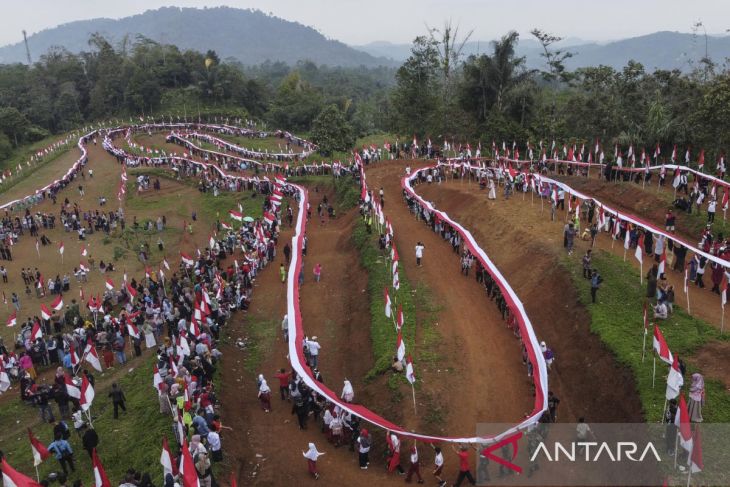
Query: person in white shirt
point(419, 253)
point(313, 347)
point(415, 466)
point(438, 463)
point(660, 311)
point(711, 207)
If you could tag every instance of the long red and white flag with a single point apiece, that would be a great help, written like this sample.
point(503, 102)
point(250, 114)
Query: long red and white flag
point(660, 346)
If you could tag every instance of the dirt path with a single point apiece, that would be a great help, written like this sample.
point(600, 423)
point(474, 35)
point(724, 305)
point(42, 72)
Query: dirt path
point(585, 371)
point(489, 382)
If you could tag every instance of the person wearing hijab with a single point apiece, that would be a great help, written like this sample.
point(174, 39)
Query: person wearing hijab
point(348, 393)
point(312, 455)
point(196, 446)
point(415, 467)
point(264, 394)
point(202, 466)
point(696, 398)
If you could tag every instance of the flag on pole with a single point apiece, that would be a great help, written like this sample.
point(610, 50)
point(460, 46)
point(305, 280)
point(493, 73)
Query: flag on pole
point(675, 381)
point(681, 420)
point(410, 374)
point(45, 312)
point(400, 347)
point(396, 282)
point(100, 478)
point(109, 283)
point(91, 356)
point(72, 389)
point(13, 478)
point(723, 289)
point(87, 393)
point(60, 248)
point(399, 318)
point(168, 465)
point(627, 240)
point(660, 346)
point(36, 332)
point(686, 278)
point(57, 303)
point(84, 252)
point(187, 467)
point(662, 261)
point(235, 215)
point(12, 319)
point(695, 463)
point(187, 260)
point(639, 254)
point(40, 452)
point(388, 310)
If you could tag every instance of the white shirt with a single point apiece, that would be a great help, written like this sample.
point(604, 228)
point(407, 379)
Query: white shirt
point(711, 206)
point(214, 441)
point(313, 347)
point(419, 251)
point(439, 460)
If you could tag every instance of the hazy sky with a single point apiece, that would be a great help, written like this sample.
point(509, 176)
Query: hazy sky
point(362, 21)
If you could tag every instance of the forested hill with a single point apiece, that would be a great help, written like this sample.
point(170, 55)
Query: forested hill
point(249, 36)
point(659, 50)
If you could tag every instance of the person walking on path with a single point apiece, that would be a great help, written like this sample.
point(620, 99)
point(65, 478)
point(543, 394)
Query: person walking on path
point(317, 272)
point(264, 394)
point(464, 470)
point(282, 272)
point(596, 281)
point(118, 400)
point(363, 449)
point(63, 453)
point(415, 467)
point(312, 455)
point(438, 466)
point(587, 264)
point(394, 458)
point(419, 253)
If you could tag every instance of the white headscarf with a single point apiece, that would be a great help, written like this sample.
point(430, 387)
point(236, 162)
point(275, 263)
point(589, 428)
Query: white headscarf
point(347, 391)
point(312, 453)
point(263, 386)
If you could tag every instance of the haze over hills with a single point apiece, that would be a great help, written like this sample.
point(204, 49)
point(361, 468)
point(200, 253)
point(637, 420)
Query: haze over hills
point(659, 50)
point(249, 36)
point(253, 37)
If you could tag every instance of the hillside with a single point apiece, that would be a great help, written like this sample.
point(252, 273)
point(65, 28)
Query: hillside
point(249, 36)
point(660, 50)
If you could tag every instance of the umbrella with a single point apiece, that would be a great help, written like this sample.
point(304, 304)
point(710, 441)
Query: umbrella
point(248, 219)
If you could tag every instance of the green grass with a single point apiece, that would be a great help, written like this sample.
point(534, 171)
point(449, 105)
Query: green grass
point(382, 329)
point(260, 335)
point(617, 319)
point(132, 441)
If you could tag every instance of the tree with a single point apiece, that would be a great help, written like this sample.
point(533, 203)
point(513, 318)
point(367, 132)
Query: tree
point(13, 124)
point(331, 132)
point(416, 97)
point(295, 104)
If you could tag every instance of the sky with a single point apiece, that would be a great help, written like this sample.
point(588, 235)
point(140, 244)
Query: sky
point(362, 21)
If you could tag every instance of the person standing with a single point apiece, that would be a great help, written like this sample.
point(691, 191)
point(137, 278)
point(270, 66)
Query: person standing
point(696, 398)
point(438, 466)
point(596, 281)
point(394, 459)
point(587, 264)
point(313, 346)
point(264, 394)
point(118, 400)
point(348, 393)
point(415, 467)
point(312, 455)
point(283, 377)
point(464, 469)
point(317, 272)
point(63, 453)
point(419, 253)
point(282, 272)
point(553, 402)
point(711, 207)
point(363, 449)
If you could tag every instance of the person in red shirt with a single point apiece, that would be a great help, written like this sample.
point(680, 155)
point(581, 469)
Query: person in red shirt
point(283, 377)
point(464, 471)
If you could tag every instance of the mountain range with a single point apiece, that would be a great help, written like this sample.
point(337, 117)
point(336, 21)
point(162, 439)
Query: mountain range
point(253, 37)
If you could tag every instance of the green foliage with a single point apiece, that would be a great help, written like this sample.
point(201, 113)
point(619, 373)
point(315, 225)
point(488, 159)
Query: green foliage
point(331, 132)
point(382, 329)
point(617, 319)
point(295, 104)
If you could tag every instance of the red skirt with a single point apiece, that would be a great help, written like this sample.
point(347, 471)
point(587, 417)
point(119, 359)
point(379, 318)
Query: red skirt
point(312, 466)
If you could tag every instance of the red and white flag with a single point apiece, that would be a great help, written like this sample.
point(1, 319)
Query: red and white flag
point(269, 217)
point(84, 252)
point(388, 311)
point(187, 468)
point(57, 303)
point(91, 356)
point(396, 281)
point(723, 289)
point(36, 332)
point(410, 373)
point(235, 215)
point(100, 478)
point(87, 393)
point(164, 263)
point(74, 356)
point(660, 346)
point(226, 226)
point(72, 389)
point(109, 283)
point(13, 478)
point(132, 329)
point(681, 420)
point(131, 291)
point(696, 464)
point(399, 318)
point(83, 267)
point(168, 465)
point(186, 259)
point(45, 312)
point(675, 381)
point(627, 240)
point(400, 347)
point(12, 319)
point(40, 452)
point(639, 254)
point(686, 278)
point(156, 379)
point(61, 248)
